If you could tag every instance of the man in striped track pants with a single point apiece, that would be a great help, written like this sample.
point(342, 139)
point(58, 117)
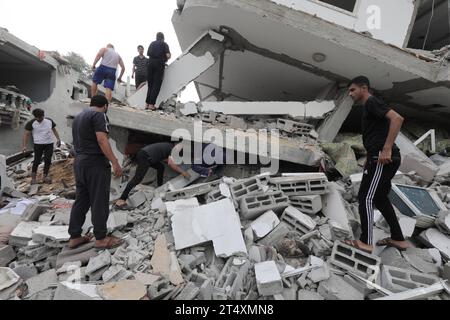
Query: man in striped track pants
point(381, 126)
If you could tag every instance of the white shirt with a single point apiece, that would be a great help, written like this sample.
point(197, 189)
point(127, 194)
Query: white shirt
point(42, 132)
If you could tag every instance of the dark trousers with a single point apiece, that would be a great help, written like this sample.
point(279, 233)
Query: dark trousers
point(140, 78)
point(93, 187)
point(40, 150)
point(374, 191)
point(155, 77)
point(143, 165)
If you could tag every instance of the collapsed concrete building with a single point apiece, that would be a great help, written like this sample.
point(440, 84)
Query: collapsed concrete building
point(260, 66)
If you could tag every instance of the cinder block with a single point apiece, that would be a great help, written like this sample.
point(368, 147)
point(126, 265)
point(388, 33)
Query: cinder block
point(277, 234)
point(245, 188)
point(215, 195)
point(399, 280)
point(7, 254)
point(188, 193)
point(302, 184)
point(268, 279)
point(354, 260)
point(307, 204)
point(298, 221)
point(231, 279)
point(294, 127)
point(253, 206)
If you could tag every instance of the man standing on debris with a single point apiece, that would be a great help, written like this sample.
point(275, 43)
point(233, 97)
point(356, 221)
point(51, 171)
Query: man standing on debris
point(152, 156)
point(140, 65)
point(42, 129)
point(158, 53)
point(93, 175)
point(381, 126)
point(106, 73)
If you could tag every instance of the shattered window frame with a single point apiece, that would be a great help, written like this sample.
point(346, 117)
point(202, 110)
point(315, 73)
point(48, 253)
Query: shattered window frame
point(411, 206)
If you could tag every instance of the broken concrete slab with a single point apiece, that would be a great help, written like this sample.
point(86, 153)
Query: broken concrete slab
point(181, 205)
point(83, 253)
point(393, 257)
point(64, 293)
point(312, 109)
point(335, 209)
point(422, 260)
point(146, 279)
point(305, 295)
point(45, 234)
point(7, 278)
point(443, 222)
point(165, 262)
point(26, 272)
point(116, 273)
point(435, 238)
point(189, 292)
point(7, 255)
point(268, 278)
point(41, 281)
point(336, 288)
point(217, 222)
point(137, 199)
point(319, 274)
point(123, 290)
point(276, 235)
point(33, 212)
point(23, 233)
point(181, 182)
point(264, 224)
point(98, 262)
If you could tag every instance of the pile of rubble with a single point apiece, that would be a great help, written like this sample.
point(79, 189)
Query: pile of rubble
point(13, 107)
point(259, 238)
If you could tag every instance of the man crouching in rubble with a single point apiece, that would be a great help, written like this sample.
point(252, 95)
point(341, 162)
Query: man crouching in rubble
point(93, 175)
point(381, 126)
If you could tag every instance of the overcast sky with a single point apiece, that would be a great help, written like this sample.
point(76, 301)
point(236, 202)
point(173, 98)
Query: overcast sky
point(84, 26)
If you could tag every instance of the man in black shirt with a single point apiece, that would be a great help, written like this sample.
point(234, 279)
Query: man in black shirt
point(152, 156)
point(381, 126)
point(158, 53)
point(93, 175)
point(140, 64)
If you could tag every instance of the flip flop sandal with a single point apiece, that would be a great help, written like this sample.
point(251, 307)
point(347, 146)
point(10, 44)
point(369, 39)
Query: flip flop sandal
point(354, 244)
point(84, 240)
point(112, 243)
point(389, 244)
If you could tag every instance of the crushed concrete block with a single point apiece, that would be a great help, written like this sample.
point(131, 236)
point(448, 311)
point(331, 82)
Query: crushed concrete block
point(115, 274)
point(268, 279)
point(336, 288)
point(307, 204)
point(159, 290)
point(298, 221)
point(174, 207)
point(137, 199)
point(190, 192)
point(123, 290)
point(64, 293)
point(334, 209)
point(190, 292)
point(33, 212)
point(303, 184)
point(435, 238)
point(356, 261)
point(7, 278)
point(166, 263)
point(231, 279)
point(399, 280)
point(7, 254)
point(217, 222)
point(26, 272)
point(264, 225)
point(289, 126)
point(422, 260)
point(320, 274)
point(98, 262)
point(83, 253)
point(147, 279)
point(276, 235)
point(305, 295)
point(181, 182)
point(48, 234)
point(253, 206)
point(158, 204)
point(116, 220)
point(41, 281)
point(245, 188)
point(23, 234)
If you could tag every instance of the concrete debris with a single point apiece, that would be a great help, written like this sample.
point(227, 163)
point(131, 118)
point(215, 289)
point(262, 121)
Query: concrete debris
point(7, 255)
point(7, 278)
point(123, 290)
point(41, 281)
point(268, 279)
point(398, 280)
point(336, 288)
point(264, 224)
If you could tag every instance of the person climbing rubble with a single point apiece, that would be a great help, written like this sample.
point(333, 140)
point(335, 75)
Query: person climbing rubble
point(381, 126)
point(43, 130)
point(152, 156)
point(93, 175)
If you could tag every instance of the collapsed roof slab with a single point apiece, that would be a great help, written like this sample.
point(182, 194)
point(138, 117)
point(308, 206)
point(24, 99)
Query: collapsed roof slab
point(294, 37)
point(307, 110)
point(292, 150)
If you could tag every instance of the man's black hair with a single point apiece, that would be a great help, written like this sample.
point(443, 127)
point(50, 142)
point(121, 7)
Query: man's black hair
point(361, 81)
point(160, 36)
point(99, 101)
point(38, 113)
point(140, 47)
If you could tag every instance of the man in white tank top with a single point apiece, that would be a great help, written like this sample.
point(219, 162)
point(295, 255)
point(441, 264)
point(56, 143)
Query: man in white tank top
point(107, 71)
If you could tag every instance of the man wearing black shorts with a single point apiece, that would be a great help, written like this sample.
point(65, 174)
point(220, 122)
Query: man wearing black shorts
point(381, 126)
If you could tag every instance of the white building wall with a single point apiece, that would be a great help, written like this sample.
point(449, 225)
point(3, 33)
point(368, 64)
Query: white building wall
point(386, 20)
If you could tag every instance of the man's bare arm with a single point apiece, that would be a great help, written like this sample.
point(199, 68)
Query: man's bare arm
point(98, 57)
point(55, 132)
point(396, 122)
point(176, 168)
point(26, 138)
point(103, 141)
point(122, 71)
